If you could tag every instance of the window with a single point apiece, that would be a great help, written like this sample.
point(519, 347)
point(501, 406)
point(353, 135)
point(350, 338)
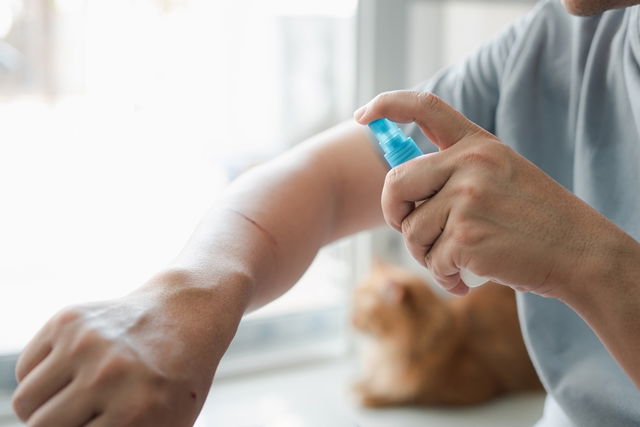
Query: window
point(117, 116)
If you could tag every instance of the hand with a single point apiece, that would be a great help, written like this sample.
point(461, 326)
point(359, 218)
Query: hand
point(144, 360)
point(479, 205)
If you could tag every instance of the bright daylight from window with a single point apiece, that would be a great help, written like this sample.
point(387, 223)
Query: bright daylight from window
point(118, 115)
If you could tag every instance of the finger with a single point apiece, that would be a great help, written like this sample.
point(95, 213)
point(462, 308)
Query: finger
point(440, 122)
point(100, 420)
point(422, 227)
point(71, 407)
point(44, 381)
point(414, 181)
point(440, 262)
point(461, 289)
point(34, 353)
point(452, 284)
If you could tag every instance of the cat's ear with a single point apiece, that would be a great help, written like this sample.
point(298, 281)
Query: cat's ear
point(394, 292)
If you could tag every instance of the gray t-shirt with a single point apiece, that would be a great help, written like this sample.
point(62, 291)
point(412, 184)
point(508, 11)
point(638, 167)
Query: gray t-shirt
point(564, 91)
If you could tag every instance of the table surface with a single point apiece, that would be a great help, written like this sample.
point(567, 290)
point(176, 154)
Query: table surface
point(317, 395)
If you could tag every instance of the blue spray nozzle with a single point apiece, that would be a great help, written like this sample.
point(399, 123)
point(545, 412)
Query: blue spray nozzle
point(397, 147)
point(384, 127)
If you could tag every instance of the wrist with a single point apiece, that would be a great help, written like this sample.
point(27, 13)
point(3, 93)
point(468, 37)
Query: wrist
point(193, 314)
point(608, 301)
point(607, 273)
point(208, 288)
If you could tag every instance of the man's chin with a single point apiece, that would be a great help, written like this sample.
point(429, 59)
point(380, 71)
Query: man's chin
point(593, 7)
point(581, 7)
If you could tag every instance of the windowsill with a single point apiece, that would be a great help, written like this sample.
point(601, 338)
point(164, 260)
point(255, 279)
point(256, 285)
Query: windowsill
point(317, 394)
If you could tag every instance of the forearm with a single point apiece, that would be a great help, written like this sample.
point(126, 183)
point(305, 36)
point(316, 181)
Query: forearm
point(610, 300)
point(271, 222)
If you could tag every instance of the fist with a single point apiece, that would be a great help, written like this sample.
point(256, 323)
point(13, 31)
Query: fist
point(125, 362)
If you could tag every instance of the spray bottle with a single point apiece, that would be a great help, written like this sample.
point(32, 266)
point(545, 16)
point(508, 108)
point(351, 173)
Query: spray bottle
point(398, 148)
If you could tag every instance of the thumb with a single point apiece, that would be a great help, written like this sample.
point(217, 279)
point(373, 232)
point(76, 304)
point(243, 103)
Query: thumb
point(442, 124)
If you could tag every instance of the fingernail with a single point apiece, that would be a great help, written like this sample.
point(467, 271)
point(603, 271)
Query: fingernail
point(359, 113)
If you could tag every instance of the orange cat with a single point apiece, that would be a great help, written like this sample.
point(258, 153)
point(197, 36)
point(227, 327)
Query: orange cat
point(432, 350)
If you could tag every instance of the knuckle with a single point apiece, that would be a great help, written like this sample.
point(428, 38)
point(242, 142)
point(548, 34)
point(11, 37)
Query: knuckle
point(479, 156)
point(389, 219)
point(429, 100)
point(114, 368)
point(393, 179)
point(505, 158)
point(67, 316)
point(414, 243)
point(86, 339)
point(465, 234)
point(439, 278)
point(444, 280)
point(428, 260)
point(434, 265)
point(469, 192)
point(391, 198)
point(408, 229)
point(19, 404)
point(500, 149)
point(486, 153)
point(381, 100)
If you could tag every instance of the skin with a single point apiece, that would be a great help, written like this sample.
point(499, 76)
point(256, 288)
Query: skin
point(148, 359)
point(593, 7)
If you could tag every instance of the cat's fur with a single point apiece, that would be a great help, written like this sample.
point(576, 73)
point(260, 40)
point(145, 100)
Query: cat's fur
point(440, 351)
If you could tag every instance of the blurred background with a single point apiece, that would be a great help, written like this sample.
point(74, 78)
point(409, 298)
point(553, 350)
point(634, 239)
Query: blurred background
point(117, 116)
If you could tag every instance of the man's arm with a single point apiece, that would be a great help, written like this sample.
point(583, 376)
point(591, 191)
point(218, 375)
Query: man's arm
point(287, 209)
point(148, 359)
point(485, 208)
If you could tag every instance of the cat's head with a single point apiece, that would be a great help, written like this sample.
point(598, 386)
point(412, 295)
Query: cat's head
point(392, 301)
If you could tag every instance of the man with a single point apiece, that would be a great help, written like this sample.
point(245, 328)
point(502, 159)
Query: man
point(562, 227)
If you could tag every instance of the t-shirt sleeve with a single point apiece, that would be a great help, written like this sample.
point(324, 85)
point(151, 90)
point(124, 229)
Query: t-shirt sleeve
point(473, 86)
